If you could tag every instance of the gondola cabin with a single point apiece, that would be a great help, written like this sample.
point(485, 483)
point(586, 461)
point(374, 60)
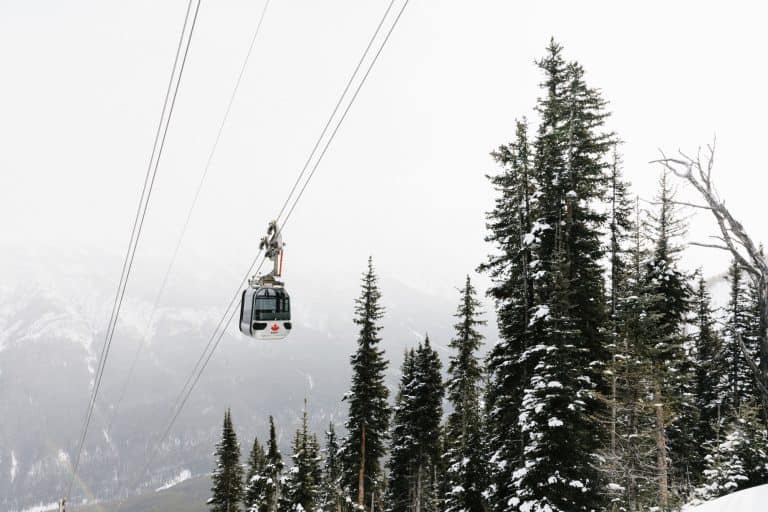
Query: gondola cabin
point(265, 312)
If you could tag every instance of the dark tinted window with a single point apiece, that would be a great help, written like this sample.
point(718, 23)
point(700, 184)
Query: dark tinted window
point(271, 304)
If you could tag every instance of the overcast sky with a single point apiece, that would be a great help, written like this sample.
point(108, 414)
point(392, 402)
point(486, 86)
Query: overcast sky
point(82, 83)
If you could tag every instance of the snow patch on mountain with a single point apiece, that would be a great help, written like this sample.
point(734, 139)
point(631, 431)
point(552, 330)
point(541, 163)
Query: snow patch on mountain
point(185, 474)
point(42, 507)
point(14, 466)
point(63, 458)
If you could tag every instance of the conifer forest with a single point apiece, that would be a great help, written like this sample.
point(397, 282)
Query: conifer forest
point(615, 384)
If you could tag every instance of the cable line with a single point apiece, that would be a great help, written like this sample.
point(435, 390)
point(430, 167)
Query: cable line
point(151, 173)
point(226, 318)
point(169, 269)
point(285, 203)
point(336, 108)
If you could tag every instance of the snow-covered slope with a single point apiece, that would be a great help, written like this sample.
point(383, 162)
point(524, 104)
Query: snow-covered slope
point(749, 500)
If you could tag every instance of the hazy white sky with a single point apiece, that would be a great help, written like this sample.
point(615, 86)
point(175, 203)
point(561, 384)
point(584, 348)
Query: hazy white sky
point(83, 82)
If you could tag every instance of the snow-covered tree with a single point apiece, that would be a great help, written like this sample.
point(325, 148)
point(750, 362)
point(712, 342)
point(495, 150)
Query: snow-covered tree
point(514, 235)
point(741, 326)
point(416, 434)
point(739, 460)
point(710, 371)
point(301, 491)
point(272, 475)
point(254, 483)
point(548, 225)
point(559, 472)
point(228, 475)
point(672, 365)
point(561, 402)
point(632, 475)
point(465, 456)
point(368, 420)
point(331, 494)
point(620, 229)
point(403, 439)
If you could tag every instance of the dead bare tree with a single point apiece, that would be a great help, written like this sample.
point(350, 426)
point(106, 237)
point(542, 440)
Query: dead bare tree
point(732, 238)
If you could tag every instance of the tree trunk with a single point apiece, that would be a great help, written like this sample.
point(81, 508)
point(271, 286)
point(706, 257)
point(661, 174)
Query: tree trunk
point(361, 475)
point(632, 490)
point(763, 306)
point(661, 449)
point(613, 415)
point(417, 508)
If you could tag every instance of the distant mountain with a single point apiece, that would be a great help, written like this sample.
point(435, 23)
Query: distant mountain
point(52, 321)
point(187, 496)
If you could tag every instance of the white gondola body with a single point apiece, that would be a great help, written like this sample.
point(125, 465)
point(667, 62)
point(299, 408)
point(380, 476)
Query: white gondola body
point(265, 313)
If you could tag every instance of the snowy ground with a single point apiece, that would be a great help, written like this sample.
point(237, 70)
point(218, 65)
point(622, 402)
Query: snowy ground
point(749, 500)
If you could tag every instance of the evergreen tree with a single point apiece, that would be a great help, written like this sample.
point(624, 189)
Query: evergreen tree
point(416, 434)
point(254, 483)
point(738, 386)
point(429, 399)
point(331, 495)
point(514, 234)
point(272, 475)
point(755, 337)
point(368, 420)
point(228, 476)
point(709, 374)
point(637, 439)
point(466, 466)
point(620, 226)
point(557, 475)
point(620, 229)
point(561, 403)
point(667, 349)
point(302, 486)
point(403, 439)
point(739, 460)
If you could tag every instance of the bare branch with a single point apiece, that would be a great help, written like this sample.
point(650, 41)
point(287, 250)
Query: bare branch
point(710, 246)
point(678, 203)
point(692, 205)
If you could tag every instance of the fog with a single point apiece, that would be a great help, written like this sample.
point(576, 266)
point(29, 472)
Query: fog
point(404, 181)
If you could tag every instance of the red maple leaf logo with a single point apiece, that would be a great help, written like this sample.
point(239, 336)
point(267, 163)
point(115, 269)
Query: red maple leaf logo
point(275, 327)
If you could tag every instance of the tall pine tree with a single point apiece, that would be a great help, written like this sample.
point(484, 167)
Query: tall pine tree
point(302, 486)
point(739, 387)
point(465, 458)
point(228, 476)
point(632, 483)
point(669, 297)
point(254, 482)
point(403, 439)
point(710, 370)
point(273, 474)
point(561, 403)
point(416, 434)
point(514, 235)
point(368, 420)
point(331, 494)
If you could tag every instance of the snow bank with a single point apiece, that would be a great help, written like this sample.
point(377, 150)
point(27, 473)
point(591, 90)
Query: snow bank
point(748, 500)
